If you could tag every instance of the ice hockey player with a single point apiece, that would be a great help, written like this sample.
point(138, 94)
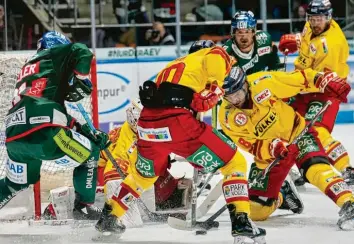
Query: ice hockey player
point(323, 47)
point(38, 126)
point(254, 50)
point(170, 195)
point(255, 117)
point(168, 123)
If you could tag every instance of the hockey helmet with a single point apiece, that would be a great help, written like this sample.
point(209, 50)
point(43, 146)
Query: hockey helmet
point(197, 45)
point(243, 20)
point(319, 7)
point(51, 39)
point(234, 81)
point(133, 114)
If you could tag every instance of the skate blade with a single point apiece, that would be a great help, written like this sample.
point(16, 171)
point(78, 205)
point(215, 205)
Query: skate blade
point(347, 225)
point(106, 237)
point(248, 240)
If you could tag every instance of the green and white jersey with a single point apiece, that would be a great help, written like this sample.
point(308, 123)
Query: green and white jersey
point(263, 56)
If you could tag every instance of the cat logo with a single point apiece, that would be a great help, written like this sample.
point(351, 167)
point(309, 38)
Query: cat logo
point(265, 123)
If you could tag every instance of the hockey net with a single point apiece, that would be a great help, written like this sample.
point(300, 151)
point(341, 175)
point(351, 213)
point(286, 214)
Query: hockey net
point(28, 204)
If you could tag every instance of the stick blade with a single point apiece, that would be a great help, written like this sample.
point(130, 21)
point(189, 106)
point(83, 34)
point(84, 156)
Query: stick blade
point(179, 224)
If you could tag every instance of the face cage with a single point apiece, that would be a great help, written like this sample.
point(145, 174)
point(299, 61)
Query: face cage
point(132, 118)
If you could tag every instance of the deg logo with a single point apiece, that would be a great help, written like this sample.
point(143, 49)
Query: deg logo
point(112, 92)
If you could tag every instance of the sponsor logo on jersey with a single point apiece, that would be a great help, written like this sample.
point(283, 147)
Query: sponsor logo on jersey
point(16, 172)
point(241, 119)
point(337, 152)
point(324, 45)
point(39, 120)
point(66, 161)
point(37, 87)
point(313, 48)
point(304, 31)
point(28, 70)
point(90, 172)
point(263, 50)
point(262, 96)
point(16, 118)
point(265, 123)
point(339, 187)
point(235, 190)
point(83, 140)
point(251, 63)
point(156, 135)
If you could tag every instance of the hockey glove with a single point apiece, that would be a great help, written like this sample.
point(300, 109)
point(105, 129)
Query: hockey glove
point(207, 98)
point(278, 148)
point(288, 44)
point(333, 85)
point(100, 138)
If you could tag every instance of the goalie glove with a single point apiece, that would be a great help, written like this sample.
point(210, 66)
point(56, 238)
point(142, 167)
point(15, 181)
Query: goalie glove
point(207, 98)
point(288, 43)
point(278, 148)
point(333, 85)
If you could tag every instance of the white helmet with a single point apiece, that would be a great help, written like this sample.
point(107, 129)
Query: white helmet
point(133, 114)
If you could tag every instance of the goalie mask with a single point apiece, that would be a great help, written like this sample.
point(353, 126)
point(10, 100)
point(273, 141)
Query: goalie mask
point(133, 114)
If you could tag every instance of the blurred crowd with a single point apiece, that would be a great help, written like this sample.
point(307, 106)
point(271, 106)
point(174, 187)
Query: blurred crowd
point(157, 16)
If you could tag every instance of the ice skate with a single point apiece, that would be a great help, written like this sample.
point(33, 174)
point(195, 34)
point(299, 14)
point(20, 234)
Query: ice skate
point(346, 216)
point(297, 178)
point(291, 198)
point(108, 225)
point(348, 176)
point(83, 211)
point(243, 228)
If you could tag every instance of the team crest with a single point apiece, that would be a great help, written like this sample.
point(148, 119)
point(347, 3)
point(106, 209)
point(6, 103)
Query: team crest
point(240, 119)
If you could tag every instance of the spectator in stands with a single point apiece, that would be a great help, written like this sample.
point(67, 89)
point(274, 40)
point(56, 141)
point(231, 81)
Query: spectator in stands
point(300, 18)
point(12, 41)
point(159, 35)
point(164, 10)
point(136, 11)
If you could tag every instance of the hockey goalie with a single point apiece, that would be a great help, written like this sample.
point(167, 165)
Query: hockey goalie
point(167, 196)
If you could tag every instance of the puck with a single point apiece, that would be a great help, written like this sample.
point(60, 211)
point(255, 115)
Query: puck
point(201, 232)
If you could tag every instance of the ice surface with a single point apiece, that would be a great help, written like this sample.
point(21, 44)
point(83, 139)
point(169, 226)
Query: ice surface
point(317, 224)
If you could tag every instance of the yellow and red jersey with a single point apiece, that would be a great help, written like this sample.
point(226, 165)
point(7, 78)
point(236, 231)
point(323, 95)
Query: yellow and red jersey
point(267, 117)
point(198, 69)
point(123, 149)
point(326, 52)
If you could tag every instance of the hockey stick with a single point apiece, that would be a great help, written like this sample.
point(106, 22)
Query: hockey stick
point(152, 216)
point(286, 52)
point(295, 141)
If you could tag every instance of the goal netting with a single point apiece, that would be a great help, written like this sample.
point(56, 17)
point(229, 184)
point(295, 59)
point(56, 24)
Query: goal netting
point(28, 204)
